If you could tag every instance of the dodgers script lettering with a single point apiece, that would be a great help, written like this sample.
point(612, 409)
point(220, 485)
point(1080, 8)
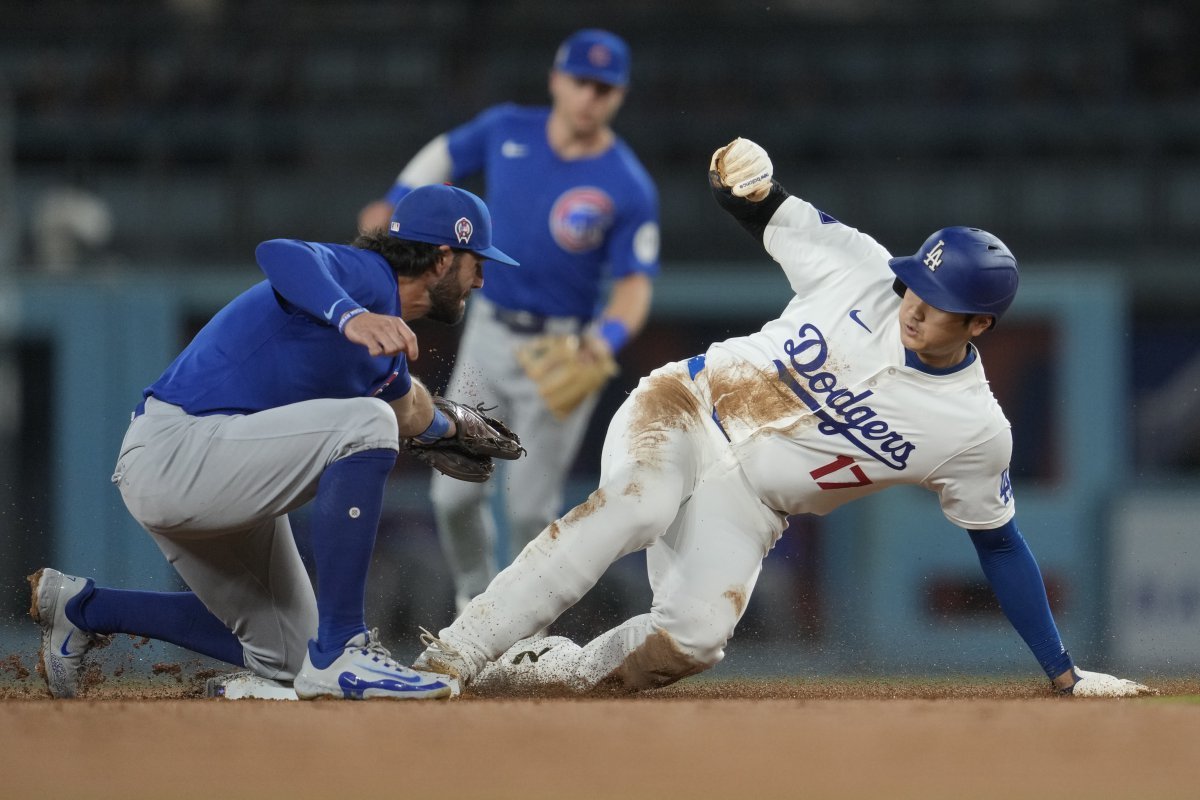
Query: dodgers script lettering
point(841, 412)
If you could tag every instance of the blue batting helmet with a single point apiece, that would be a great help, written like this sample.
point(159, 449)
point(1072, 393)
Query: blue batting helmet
point(960, 270)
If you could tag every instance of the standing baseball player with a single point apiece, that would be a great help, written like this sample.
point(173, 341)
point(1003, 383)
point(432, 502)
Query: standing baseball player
point(868, 379)
point(297, 390)
point(577, 209)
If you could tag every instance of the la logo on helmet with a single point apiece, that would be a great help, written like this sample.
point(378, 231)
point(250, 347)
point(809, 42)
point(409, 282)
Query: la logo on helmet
point(933, 259)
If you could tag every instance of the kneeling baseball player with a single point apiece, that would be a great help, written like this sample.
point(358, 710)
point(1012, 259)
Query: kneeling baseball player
point(297, 390)
point(868, 379)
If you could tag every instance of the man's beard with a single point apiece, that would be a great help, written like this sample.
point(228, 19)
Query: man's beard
point(446, 298)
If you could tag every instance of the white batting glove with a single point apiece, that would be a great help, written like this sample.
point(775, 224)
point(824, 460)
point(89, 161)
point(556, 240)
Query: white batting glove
point(744, 168)
point(1097, 684)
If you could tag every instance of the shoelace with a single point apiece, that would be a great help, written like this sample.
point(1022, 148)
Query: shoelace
point(377, 651)
point(429, 640)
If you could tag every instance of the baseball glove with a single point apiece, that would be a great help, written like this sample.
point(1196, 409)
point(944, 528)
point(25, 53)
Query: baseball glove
point(567, 369)
point(478, 438)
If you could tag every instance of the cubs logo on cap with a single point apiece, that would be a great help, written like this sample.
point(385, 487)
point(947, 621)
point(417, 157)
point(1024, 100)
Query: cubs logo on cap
point(599, 56)
point(596, 55)
point(441, 214)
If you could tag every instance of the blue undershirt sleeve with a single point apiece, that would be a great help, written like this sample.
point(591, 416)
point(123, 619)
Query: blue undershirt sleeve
point(299, 274)
point(1013, 573)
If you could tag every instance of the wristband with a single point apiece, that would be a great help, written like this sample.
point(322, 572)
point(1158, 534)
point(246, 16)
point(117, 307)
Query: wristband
point(436, 430)
point(614, 332)
point(349, 315)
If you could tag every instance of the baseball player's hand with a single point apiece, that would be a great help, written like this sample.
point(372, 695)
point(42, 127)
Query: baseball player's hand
point(374, 216)
point(1097, 684)
point(382, 335)
point(743, 167)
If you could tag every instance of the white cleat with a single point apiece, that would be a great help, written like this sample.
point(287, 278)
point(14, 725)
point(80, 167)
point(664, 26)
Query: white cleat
point(446, 660)
point(60, 658)
point(534, 666)
point(366, 671)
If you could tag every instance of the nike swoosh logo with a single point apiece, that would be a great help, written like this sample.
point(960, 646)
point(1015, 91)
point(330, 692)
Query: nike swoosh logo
point(511, 149)
point(63, 649)
point(329, 313)
point(399, 676)
point(854, 316)
point(354, 686)
point(532, 655)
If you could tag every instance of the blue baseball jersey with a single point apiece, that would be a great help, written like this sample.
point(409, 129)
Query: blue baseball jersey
point(278, 343)
point(571, 224)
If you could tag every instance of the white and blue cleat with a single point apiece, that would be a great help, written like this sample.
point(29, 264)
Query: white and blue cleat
point(366, 671)
point(60, 659)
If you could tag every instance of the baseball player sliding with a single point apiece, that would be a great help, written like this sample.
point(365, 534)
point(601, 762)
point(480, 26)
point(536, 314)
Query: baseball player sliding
point(575, 207)
point(868, 379)
point(297, 390)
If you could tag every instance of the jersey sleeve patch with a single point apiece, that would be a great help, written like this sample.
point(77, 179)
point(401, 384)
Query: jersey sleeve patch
point(646, 243)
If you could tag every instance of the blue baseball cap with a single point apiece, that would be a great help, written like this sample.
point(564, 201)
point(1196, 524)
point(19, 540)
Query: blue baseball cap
point(596, 55)
point(441, 214)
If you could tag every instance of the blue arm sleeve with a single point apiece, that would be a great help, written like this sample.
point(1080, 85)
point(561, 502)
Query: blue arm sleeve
point(300, 275)
point(1014, 576)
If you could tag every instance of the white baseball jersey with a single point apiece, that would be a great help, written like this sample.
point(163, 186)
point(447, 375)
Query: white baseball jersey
point(820, 405)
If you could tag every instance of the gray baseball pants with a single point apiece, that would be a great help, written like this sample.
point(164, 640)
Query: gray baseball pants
point(214, 493)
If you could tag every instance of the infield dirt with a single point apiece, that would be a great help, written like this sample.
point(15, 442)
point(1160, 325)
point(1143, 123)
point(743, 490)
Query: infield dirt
point(699, 739)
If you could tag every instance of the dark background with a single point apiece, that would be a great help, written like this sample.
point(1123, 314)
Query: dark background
point(1071, 128)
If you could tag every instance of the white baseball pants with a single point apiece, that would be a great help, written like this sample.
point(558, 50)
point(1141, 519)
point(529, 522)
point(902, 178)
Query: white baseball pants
point(670, 484)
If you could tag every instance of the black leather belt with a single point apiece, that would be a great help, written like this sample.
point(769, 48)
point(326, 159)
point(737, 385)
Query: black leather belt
point(519, 321)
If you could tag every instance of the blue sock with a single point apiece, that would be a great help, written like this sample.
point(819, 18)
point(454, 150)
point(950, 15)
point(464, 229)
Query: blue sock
point(175, 617)
point(344, 520)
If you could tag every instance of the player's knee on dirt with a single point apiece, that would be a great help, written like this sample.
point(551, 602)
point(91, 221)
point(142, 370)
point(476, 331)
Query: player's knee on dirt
point(274, 647)
point(277, 666)
point(698, 629)
point(658, 661)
